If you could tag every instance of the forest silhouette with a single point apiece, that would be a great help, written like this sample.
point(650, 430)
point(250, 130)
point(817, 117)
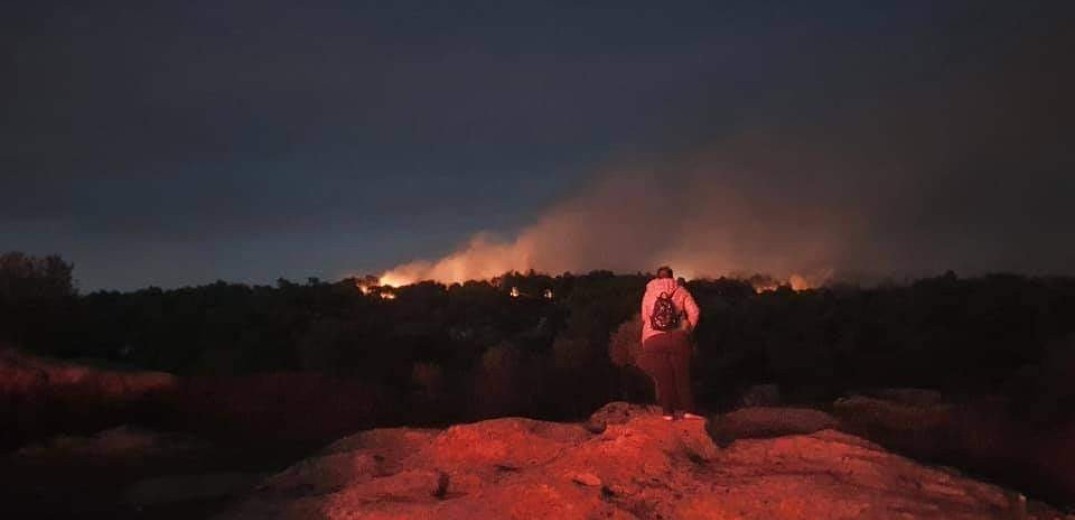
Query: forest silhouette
point(560, 346)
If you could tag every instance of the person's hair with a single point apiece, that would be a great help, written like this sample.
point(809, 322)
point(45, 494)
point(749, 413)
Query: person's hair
point(664, 269)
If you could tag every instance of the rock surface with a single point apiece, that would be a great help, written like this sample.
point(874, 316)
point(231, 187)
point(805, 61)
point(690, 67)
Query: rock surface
point(625, 463)
point(768, 422)
point(41, 398)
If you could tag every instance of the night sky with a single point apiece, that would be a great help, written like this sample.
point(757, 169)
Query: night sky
point(177, 143)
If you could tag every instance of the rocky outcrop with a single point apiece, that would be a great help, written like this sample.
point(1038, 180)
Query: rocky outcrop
point(41, 398)
point(625, 463)
point(44, 397)
point(752, 423)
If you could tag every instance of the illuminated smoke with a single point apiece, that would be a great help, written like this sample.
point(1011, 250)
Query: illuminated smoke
point(915, 181)
point(702, 222)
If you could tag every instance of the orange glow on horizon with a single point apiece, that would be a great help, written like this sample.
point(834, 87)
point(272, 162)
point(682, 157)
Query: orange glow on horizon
point(799, 283)
point(796, 282)
point(391, 279)
point(763, 288)
point(461, 264)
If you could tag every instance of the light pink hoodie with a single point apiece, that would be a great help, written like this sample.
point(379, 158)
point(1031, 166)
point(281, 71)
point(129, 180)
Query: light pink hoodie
point(681, 298)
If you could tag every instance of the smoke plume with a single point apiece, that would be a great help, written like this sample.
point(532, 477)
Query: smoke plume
point(970, 174)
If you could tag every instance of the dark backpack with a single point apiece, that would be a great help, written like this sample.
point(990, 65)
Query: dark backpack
point(665, 316)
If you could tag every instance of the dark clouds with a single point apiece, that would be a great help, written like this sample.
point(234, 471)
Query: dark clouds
point(171, 145)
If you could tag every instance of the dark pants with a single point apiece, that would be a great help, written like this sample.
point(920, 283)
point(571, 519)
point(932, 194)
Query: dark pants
point(666, 357)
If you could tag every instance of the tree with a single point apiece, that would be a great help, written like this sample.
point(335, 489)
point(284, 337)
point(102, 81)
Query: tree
point(499, 388)
point(36, 297)
point(625, 345)
point(26, 278)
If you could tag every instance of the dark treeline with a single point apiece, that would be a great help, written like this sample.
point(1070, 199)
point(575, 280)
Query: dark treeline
point(558, 347)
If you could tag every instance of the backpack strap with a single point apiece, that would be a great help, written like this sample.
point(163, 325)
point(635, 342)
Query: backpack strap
point(669, 295)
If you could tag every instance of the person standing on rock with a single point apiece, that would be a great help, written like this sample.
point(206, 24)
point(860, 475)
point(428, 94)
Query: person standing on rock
point(669, 316)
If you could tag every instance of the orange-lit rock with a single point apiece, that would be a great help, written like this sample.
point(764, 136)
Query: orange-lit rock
point(43, 397)
point(625, 463)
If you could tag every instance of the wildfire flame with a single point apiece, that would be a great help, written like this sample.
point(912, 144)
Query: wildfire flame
point(796, 282)
point(381, 290)
point(483, 258)
point(766, 287)
point(799, 283)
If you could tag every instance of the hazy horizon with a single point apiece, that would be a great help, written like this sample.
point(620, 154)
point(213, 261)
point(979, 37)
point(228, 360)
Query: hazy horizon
point(179, 145)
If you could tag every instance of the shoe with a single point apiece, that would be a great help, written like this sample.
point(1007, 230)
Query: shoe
point(692, 417)
point(668, 417)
